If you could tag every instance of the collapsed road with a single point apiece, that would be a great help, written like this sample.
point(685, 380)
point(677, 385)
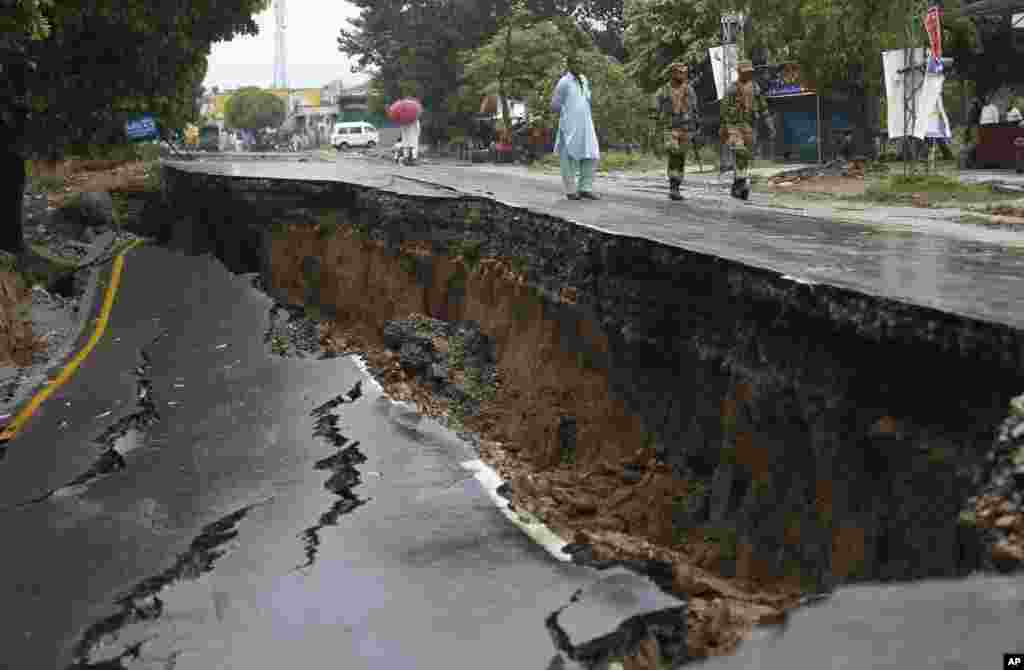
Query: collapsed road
point(191, 499)
point(218, 489)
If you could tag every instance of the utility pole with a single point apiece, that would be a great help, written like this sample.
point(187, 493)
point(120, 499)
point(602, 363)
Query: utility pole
point(280, 51)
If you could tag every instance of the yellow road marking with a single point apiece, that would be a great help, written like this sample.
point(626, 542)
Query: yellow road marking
point(52, 385)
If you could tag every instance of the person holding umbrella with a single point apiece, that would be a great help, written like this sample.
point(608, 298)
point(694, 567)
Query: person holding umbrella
point(577, 140)
point(406, 113)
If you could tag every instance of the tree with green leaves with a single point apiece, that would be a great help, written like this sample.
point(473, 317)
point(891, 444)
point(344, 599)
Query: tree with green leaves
point(526, 61)
point(100, 63)
point(661, 32)
point(252, 108)
point(415, 45)
point(838, 43)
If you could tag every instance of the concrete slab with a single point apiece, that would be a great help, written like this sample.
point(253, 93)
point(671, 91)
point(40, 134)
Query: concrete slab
point(976, 277)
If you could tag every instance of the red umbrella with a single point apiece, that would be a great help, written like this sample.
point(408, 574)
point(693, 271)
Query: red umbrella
point(405, 111)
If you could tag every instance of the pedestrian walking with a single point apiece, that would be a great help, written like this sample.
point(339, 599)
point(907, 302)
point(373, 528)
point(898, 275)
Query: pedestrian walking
point(411, 141)
point(677, 109)
point(576, 144)
point(406, 113)
point(743, 107)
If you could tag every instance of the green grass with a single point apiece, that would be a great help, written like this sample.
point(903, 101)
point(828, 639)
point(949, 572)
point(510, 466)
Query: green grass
point(584, 360)
point(313, 312)
point(456, 352)
point(974, 220)
point(519, 265)
point(457, 281)
point(48, 183)
point(154, 177)
point(901, 189)
point(408, 264)
point(473, 215)
point(327, 225)
point(725, 538)
point(361, 231)
point(520, 310)
point(279, 230)
point(468, 251)
point(475, 386)
point(620, 161)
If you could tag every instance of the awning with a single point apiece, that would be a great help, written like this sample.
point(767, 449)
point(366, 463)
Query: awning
point(992, 7)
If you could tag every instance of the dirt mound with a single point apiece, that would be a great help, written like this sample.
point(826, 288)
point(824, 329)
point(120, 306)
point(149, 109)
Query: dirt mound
point(17, 341)
point(836, 177)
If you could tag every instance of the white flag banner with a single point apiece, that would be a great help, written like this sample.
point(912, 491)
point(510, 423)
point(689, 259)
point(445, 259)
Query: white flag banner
point(723, 65)
point(931, 118)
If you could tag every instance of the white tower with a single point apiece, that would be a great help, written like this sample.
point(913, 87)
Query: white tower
point(280, 53)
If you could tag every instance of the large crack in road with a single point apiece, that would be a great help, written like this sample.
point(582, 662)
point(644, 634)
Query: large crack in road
point(344, 475)
point(121, 437)
point(143, 603)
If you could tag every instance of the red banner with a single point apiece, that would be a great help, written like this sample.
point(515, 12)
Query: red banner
point(933, 24)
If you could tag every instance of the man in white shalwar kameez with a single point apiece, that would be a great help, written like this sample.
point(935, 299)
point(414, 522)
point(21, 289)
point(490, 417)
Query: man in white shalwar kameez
point(576, 144)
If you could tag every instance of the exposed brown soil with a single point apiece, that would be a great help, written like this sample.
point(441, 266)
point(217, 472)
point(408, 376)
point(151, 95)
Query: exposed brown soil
point(17, 340)
point(839, 186)
point(80, 176)
point(588, 500)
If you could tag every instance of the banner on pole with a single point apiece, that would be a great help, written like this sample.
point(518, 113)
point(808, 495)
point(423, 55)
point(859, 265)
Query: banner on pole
point(933, 24)
point(723, 65)
point(141, 128)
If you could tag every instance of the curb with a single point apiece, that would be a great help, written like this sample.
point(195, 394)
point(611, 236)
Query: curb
point(11, 430)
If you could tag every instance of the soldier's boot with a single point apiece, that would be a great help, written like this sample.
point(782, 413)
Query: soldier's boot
point(744, 190)
point(737, 185)
point(673, 188)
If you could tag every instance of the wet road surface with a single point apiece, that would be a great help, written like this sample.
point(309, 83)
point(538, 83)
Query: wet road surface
point(945, 624)
point(190, 500)
point(977, 279)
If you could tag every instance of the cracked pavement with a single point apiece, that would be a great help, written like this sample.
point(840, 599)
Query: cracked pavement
point(192, 499)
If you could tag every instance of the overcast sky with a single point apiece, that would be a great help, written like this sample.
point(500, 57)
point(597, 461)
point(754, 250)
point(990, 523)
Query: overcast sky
point(312, 48)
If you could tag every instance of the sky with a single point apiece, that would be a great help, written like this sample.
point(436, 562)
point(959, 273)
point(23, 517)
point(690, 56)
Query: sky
point(312, 49)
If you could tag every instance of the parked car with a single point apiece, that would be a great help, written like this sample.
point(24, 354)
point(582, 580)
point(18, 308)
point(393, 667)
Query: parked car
point(356, 134)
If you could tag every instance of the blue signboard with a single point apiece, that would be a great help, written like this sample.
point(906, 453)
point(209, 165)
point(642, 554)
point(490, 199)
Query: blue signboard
point(141, 128)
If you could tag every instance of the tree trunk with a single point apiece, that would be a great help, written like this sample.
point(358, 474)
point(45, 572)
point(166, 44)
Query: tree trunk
point(12, 194)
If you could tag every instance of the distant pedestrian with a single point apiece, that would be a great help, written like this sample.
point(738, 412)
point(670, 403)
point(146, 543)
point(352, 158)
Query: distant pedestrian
point(677, 107)
point(1014, 115)
point(411, 142)
point(989, 114)
point(576, 144)
point(406, 113)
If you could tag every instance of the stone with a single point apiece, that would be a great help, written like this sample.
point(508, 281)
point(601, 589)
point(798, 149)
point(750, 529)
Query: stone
point(94, 208)
point(1007, 556)
point(1006, 521)
point(67, 224)
point(611, 618)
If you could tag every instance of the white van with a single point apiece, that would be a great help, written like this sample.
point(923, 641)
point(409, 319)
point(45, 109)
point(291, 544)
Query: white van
point(355, 134)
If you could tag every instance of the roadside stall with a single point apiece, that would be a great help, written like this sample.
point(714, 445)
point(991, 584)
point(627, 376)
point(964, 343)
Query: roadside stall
point(996, 66)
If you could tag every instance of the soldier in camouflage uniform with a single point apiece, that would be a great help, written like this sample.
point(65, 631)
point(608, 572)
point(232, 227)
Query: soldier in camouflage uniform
point(743, 108)
point(676, 106)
